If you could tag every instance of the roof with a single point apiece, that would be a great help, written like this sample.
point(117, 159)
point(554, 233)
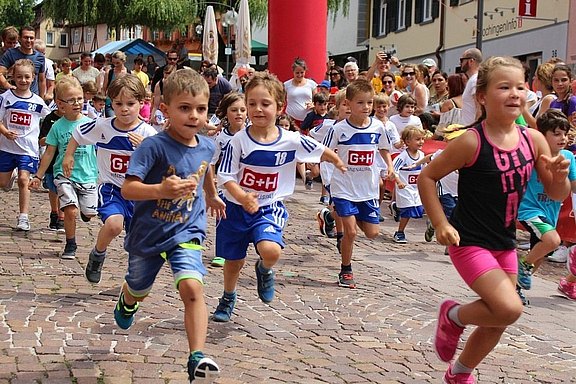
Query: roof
point(258, 47)
point(130, 47)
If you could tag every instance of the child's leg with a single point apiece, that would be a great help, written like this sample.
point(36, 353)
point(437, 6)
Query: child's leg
point(549, 241)
point(269, 252)
point(111, 229)
point(70, 213)
point(403, 223)
point(232, 270)
point(370, 230)
point(349, 235)
point(301, 169)
point(195, 313)
point(23, 191)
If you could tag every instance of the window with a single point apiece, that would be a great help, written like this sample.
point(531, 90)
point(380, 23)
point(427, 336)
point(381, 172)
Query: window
point(383, 17)
point(155, 35)
point(401, 14)
point(50, 39)
point(89, 35)
point(64, 40)
point(426, 10)
point(76, 37)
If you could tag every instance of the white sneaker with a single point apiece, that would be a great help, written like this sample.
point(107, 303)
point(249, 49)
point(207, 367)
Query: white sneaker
point(523, 246)
point(23, 224)
point(560, 255)
point(12, 181)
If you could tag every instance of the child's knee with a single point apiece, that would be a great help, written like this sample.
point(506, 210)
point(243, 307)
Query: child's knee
point(191, 290)
point(510, 312)
point(552, 240)
point(269, 250)
point(114, 227)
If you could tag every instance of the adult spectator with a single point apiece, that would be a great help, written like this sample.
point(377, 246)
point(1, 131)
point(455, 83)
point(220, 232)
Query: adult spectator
point(40, 46)
point(171, 58)
point(419, 91)
point(451, 109)
point(389, 88)
point(9, 39)
point(219, 87)
point(299, 92)
point(117, 70)
point(137, 71)
point(86, 72)
point(337, 78)
point(469, 64)
point(430, 65)
point(25, 51)
point(100, 65)
point(351, 71)
point(382, 64)
point(151, 66)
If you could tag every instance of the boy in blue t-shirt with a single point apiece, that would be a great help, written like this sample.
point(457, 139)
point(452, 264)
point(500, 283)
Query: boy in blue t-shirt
point(169, 220)
point(537, 212)
point(76, 193)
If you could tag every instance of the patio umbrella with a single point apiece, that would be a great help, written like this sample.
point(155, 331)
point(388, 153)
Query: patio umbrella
point(210, 37)
point(243, 41)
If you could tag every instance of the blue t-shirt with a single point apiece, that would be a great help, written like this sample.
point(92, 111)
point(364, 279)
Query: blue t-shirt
point(160, 225)
point(567, 106)
point(536, 202)
point(13, 54)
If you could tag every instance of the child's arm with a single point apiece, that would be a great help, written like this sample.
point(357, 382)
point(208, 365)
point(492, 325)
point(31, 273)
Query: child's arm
point(249, 200)
point(552, 171)
point(425, 160)
point(68, 160)
point(10, 135)
point(213, 202)
point(44, 164)
point(387, 160)
point(331, 156)
point(171, 187)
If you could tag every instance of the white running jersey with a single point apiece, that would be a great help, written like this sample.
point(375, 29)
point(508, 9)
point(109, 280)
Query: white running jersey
point(448, 185)
point(113, 148)
point(268, 169)
point(319, 133)
point(407, 196)
point(358, 149)
point(22, 115)
point(221, 140)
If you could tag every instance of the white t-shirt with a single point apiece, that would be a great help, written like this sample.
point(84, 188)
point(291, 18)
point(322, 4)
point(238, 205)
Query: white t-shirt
point(83, 76)
point(448, 185)
point(468, 114)
point(221, 140)
point(49, 69)
point(319, 133)
point(297, 97)
point(358, 150)
point(22, 115)
point(267, 169)
point(407, 196)
point(113, 147)
point(401, 122)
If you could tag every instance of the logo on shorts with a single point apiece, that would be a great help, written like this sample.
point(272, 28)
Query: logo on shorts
point(20, 118)
point(119, 163)
point(270, 229)
point(361, 158)
point(412, 179)
point(262, 182)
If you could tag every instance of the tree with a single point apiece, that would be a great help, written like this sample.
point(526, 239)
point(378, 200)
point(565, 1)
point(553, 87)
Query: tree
point(259, 9)
point(16, 12)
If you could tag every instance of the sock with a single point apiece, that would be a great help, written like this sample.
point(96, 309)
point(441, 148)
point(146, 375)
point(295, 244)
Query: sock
point(458, 367)
point(123, 303)
point(345, 268)
point(339, 235)
point(71, 240)
point(263, 269)
point(453, 315)
point(99, 254)
point(23, 216)
point(196, 355)
point(229, 295)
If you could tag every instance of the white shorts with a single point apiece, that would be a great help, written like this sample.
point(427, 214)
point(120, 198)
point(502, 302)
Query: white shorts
point(83, 195)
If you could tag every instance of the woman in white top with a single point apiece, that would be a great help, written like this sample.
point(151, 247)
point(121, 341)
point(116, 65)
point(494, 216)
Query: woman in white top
point(299, 92)
point(410, 74)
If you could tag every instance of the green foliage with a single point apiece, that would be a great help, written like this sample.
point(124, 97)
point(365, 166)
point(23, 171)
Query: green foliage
point(16, 12)
point(259, 9)
point(164, 14)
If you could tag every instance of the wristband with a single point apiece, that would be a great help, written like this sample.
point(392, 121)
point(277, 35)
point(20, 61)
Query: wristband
point(36, 177)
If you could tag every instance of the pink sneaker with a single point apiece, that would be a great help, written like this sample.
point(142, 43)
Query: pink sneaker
point(447, 333)
point(567, 288)
point(571, 261)
point(461, 378)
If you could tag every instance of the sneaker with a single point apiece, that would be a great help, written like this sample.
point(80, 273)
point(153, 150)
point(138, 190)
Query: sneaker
point(429, 233)
point(53, 226)
point(309, 185)
point(326, 228)
point(560, 255)
point(60, 226)
point(218, 262)
point(12, 181)
point(84, 217)
point(460, 378)
point(202, 369)
point(265, 284)
point(324, 200)
point(69, 251)
point(567, 288)
point(447, 333)
point(571, 261)
point(525, 274)
point(394, 211)
point(346, 280)
point(523, 246)
point(23, 224)
point(224, 309)
point(93, 270)
point(400, 238)
point(122, 315)
point(522, 296)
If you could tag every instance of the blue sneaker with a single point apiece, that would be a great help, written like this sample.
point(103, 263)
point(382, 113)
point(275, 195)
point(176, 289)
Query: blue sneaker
point(525, 274)
point(124, 316)
point(224, 309)
point(523, 298)
point(202, 369)
point(400, 238)
point(265, 284)
point(395, 211)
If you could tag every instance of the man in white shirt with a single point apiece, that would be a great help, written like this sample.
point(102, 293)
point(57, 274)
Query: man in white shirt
point(469, 64)
point(40, 46)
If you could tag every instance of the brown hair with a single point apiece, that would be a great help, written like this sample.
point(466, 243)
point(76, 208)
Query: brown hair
point(184, 80)
point(271, 83)
point(358, 86)
point(130, 84)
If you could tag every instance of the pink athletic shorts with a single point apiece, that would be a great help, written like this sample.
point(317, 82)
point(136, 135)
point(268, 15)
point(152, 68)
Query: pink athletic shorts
point(471, 262)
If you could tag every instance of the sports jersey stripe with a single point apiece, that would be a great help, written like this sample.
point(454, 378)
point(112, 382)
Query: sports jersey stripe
point(269, 158)
point(117, 143)
point(226, 159)
point(328, 137)
point(86, 128)
point(307, 144)
point(25, 106)
point(278, 213)
point(362, 138)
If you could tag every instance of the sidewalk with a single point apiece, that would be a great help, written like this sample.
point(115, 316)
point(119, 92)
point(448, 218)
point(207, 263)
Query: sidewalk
point(55, 327)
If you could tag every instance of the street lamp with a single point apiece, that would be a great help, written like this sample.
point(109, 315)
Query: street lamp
point(228, 21)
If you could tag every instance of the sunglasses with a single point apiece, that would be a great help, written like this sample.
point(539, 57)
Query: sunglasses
point(388, 82)
point(404, 74)
point(463, 59)
point(334, 74)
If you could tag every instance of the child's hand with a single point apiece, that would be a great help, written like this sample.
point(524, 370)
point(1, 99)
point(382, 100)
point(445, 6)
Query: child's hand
point(216, 207)
point(67, 165)
point(447, 235)
point(11, 135)
point(341, 166)
point(174, 187)
point(34, 183)
point(558, 167)
point(135, 139)
point(401, 185)
point(250, 202)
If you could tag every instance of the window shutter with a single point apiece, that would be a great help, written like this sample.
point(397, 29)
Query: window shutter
point(408, 13)
point(435, 8)
point(391, 16)
point(376, 17)
point(454, 3)
point(419, 15)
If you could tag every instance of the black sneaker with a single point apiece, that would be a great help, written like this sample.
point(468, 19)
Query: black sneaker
point(93, 270)
point(53, 226)
point(84, 217)
point(69, 251)
point(394, 211)
point(429, 234)
point(60, 226)
point(346, 280)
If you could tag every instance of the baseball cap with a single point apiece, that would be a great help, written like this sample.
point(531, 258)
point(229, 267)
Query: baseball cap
point(242, 72)
point(429, 62)
point(324, 84)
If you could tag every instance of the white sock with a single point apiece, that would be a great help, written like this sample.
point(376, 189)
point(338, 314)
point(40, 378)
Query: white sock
point(458, 367)
point(453, 315)
point(23, 216)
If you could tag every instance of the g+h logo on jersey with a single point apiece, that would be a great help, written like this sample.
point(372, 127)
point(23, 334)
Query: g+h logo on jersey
point(261, 182)
point(361, 158)
point(20, 118)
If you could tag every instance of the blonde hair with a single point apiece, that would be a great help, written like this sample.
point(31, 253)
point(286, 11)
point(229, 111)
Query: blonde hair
point(381, 98)
point(89, 87)
point(25, 63)
point(339, 98)
point(411, 131)
point(271, 83)
point(544, 75)
point(358, 86)
point(65, 84)
point(184, 80)
point(119, 55)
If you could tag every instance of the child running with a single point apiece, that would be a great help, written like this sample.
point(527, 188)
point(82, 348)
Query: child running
point(257, 171)
point(20, 114)
point(232, 114)
point(495, 159)
point(169, 222)
point(115, 139)
point(355, 193)
point(537, 212)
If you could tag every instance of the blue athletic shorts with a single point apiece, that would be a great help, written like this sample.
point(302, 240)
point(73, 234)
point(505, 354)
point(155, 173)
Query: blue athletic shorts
point(448, 204)
point(48, 182)
point(412, 212)
point(366, 211)
point(111, 202)
point(239, 229)
point(9, 161)
point(185, 260)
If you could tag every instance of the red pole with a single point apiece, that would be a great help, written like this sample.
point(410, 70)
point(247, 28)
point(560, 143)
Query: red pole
point(297, 28)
